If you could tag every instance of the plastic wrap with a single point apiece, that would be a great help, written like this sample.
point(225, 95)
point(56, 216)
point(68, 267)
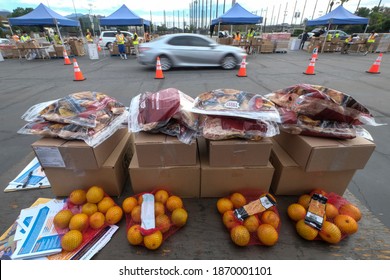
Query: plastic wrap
point(235, 103)
point(219, 128)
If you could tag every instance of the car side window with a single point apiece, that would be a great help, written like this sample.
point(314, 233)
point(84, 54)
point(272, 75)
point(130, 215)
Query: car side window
point(199, 42)
point(179, 41)
point(109, 34)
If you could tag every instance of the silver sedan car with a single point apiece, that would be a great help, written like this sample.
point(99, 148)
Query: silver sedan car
point(189, 50)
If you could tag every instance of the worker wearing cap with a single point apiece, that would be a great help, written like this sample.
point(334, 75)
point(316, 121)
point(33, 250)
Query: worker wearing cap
point(120, 41)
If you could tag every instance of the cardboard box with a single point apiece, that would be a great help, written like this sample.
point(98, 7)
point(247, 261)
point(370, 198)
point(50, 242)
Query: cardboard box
point(326, 154)
point(183, 181)
point(111, 176)
point(290, 179)
point(163, 150)
point(239, 152)
point(221, 181)
point(77, 47)
point(75, 154)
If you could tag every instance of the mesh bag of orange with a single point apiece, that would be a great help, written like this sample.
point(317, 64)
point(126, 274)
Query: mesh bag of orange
point(324, 216)
point(251, 217)
point(152, 217)
point(86, 214)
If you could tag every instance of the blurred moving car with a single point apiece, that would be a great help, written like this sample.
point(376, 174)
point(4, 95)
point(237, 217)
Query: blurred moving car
point(342, 35)
point(189, 50)
point(106, 38)
point(5, 41)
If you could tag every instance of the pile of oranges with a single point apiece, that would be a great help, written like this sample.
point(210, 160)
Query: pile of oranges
point(87, 210)
point(341, 218)
point(260, 229)
point(169, 214)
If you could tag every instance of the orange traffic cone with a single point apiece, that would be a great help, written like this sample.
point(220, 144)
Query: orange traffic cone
point(66, 58)
point(78, 75)
point(242, 70)
point(159, 73)
point(310, 68)
point(375, 67)
point(99, 48)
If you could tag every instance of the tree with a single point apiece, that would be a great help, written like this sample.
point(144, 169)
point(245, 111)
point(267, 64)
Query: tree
point(20, 12)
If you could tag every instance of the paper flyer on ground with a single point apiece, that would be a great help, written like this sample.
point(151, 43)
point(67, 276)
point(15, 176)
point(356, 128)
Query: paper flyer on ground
point(31, 177)
point(36, 235)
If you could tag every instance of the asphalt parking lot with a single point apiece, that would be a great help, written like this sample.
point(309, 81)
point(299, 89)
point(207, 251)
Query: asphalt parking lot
point(25, 83)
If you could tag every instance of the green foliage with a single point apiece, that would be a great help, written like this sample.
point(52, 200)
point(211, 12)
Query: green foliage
point(20, 12)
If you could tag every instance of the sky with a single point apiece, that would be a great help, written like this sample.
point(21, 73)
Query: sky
point(276, 11)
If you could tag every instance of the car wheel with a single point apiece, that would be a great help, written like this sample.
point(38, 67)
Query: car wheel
point(229, 62)
point(109, 45)
point(166, 63)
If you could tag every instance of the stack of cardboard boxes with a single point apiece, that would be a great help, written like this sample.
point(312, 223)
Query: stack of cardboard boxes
point(77, 46)
point(72, 164)
point(303, 163)
point(162, 161)
point(233, 165)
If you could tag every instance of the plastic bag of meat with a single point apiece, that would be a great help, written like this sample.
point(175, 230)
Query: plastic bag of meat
point(93, 136)
point(321, 103)
point(235, 103)
point(88, 109)
point(151, 111)
point(221, 127)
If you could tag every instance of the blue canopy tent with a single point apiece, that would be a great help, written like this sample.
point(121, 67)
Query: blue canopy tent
point(124, 17)
point(340, 15)
point(236, 15)
point(43, 16)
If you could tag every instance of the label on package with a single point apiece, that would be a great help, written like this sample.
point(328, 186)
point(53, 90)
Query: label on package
point(49, 156)
point(254, 207)
point(316, 211)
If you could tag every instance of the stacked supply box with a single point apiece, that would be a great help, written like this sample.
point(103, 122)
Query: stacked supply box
point(72, 164)
point(162, 161)
point(233, 165)
point(303, 163)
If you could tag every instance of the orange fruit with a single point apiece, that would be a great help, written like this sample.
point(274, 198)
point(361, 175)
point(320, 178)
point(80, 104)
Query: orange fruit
point(134, 235)
point(128, 204)
point(136, 214)
point(140, 199)
point(95, 194)
point(159, 209)
point(351, 210)
point(161, 196)
point(114, 215)
point(174, 202)
point(89, 208)
point(296, 212)
point(346, 224)
point(238, 200)
point(79, 222)
point(78, 197)
point(330, 233)
point(229, 219)
point(267, 234)
point(251, 223)
point(62, 219)
point(240, 235)
point(304, 200)
point(271, 218)
point(224, 204)
point(163, 223)
point(154, 240)
point(331, 211)
point(179, 217)
point(305, 231)
point(71, 240)
point(97, 220)
point(104, 204)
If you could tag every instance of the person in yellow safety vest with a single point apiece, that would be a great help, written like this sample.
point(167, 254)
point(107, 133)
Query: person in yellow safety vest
point(329, 37)
point(120, 41)
point(136, 43)
point(249, 38)
point(347, 44)
point(370, 42)
point(25, 37)
point(336, 35)
point(57, 39)
point(89, 38)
